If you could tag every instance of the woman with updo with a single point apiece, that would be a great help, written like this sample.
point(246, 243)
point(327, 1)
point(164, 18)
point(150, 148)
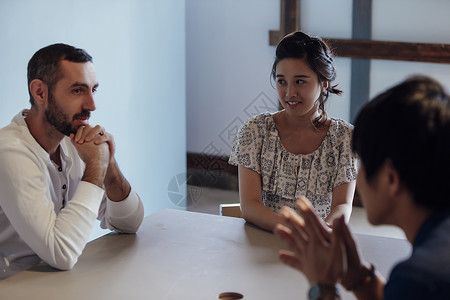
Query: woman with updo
point(298, 151)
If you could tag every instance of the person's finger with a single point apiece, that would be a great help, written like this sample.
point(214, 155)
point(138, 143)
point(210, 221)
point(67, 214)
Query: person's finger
point(106, 138)
point(78, 136)
point(98, 139)
point(338, 228)
point(282, 231)
point(94, 133)
point(324, 226)
point(353, 269)
point(290, 259)
point(349, 242)
point(338, 251)
point(290, 215)
point(297, 227)
point(285, 234)
point(314, 225)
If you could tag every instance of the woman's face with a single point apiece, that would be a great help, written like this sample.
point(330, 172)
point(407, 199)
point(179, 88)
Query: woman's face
point(298, 87)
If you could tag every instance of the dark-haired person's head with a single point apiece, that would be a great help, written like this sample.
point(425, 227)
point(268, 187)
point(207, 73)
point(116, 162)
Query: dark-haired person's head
point(409, 126)
point(44, 64)
point(317, 54)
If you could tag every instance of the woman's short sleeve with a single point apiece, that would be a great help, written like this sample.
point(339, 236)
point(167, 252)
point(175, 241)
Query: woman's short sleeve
point(347, 163)
point(248, 144)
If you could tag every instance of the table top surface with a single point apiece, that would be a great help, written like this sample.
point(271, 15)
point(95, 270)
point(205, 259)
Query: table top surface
point(184, 255)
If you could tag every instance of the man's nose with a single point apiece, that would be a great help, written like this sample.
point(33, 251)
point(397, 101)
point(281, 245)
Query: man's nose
point(89, 104)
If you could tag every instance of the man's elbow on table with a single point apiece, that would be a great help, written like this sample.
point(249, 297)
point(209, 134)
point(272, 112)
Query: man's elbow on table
point(134, 226)
point(124, 217)
point(129, 227)
point(63, 263)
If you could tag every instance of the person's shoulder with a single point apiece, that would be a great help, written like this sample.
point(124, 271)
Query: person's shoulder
point(16, 142)
point(426, 273)
point(261, 118)
point(16, 150)
point(15, 129)
point(11, 135)
point(412, 280)
point(260, 121)
point(433, 251)
point(430, 259)
point(341, 128)
point(341, 124)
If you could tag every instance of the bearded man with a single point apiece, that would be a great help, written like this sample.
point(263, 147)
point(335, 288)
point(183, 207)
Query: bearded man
point(57, 172)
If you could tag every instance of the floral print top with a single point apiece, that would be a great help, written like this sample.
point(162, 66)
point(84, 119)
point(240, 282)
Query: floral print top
point(286, 176)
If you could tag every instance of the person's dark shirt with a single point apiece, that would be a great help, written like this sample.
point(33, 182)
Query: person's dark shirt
point(426, 274)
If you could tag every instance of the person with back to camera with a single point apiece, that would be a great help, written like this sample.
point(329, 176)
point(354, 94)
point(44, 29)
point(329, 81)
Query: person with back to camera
point(298, 150)
point(58, 173)
point(402, 140)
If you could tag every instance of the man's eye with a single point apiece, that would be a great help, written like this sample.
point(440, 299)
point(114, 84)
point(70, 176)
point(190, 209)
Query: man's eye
point(299, 81)
point(94, 91)
point(76, 91)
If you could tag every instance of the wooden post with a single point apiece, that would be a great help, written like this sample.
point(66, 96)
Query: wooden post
point(289, 20)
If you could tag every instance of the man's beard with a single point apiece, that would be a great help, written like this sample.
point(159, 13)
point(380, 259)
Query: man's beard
point(60, 120)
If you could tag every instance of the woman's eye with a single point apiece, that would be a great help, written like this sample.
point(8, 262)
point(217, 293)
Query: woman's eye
point(299, 81)
point(280, 81)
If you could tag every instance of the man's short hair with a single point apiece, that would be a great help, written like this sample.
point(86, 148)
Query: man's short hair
point(44, 64)
point(409, 124)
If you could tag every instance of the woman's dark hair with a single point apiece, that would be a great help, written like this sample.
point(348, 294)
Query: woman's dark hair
point(44, 64)
point(319, 58)
point(409, 125)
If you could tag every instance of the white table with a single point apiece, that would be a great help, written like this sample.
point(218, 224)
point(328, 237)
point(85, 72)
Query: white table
point(185, 255)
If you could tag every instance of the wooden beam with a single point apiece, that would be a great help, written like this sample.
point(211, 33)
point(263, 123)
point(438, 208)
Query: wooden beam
point(363, 49)
point(289, 20)
point(370, 49)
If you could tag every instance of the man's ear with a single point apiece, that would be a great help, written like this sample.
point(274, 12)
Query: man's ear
point(39, 91)
point(393, 181)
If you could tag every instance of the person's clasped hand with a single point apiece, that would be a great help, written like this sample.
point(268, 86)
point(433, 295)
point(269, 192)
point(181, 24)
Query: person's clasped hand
point(323, 255)
point(314, 249)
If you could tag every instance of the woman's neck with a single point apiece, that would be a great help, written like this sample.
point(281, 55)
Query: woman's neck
point(286, 120)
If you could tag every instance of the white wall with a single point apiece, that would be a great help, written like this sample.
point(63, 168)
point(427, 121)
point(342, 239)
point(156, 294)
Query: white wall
point(409, 21)
point(138, 48)
point(332, 19)
point(228, 63)
point(229, 57)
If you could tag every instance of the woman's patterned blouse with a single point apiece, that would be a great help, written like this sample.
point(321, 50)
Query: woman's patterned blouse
point(286, 176)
